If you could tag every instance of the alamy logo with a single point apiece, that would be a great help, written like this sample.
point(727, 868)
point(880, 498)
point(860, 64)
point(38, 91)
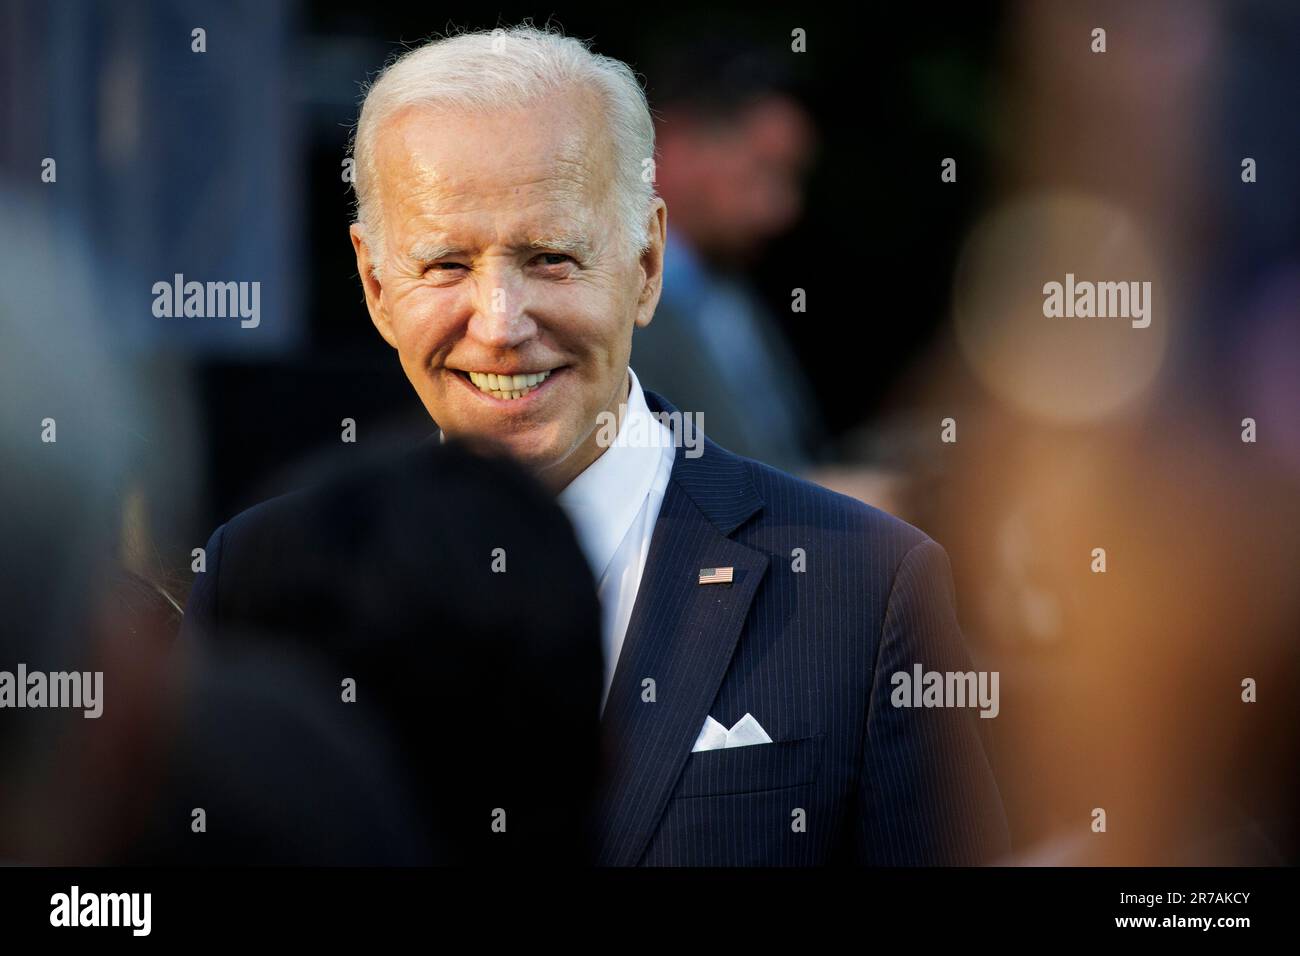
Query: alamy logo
point(922, 688)
point(209, 300)
point(680, 430)
point(1103, 300)
point(103, 909)
point(58, 689)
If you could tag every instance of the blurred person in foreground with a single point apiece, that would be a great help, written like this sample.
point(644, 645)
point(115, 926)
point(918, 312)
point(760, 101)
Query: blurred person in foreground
point(752, 623)
point(437, 620)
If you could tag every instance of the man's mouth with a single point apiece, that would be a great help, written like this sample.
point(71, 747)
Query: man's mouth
point(507, 387)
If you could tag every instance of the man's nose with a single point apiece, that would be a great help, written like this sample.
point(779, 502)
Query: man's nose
point(501, 319)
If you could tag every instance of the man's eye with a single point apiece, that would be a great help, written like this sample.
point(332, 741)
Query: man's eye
point(443, 266)
point(553, 259)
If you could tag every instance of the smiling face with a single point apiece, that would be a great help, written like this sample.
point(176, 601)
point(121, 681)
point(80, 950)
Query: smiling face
point(509, 287)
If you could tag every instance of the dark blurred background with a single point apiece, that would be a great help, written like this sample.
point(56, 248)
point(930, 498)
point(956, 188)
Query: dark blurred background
point(923, 303)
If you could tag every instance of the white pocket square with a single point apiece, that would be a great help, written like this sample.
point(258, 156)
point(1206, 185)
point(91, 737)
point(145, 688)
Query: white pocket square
point(746, 732)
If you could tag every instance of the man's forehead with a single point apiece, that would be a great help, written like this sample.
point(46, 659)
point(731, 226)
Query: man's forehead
point(538, 216)
point(541, 147)
point(526, 176)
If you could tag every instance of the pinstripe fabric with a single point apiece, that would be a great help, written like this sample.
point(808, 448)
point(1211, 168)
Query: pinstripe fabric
point(808, 653)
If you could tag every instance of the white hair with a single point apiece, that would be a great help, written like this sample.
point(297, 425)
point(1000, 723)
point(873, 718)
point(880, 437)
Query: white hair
point(498, 69)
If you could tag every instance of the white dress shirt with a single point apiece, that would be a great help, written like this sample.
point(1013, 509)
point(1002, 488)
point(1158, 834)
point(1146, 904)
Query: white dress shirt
point(613, 506)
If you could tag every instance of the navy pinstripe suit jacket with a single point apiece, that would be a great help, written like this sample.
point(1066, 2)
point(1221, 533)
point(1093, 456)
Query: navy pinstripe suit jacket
point(848, 778)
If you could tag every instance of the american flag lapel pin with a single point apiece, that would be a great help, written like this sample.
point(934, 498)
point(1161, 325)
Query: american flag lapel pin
point(716, 575)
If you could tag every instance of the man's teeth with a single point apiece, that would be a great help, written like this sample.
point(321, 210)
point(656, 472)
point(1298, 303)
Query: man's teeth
point(507, 386)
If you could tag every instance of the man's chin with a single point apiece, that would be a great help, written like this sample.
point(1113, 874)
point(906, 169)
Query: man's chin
point(534, 453)
point(534, 447)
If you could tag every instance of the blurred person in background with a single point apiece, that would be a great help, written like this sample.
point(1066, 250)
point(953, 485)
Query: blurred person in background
point(733, 145)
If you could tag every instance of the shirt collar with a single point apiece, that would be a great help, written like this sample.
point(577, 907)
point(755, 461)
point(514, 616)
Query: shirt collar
point(605, 499)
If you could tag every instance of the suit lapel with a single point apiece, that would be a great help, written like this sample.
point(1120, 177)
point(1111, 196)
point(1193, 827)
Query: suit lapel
point(681, 636)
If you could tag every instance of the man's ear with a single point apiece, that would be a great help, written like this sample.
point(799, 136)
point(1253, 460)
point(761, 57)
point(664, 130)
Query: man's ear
point(373, 288)
point(652, 264)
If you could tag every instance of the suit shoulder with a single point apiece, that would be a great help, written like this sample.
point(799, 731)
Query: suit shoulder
point(266, 516)
point(338, 499)
point(788, 498)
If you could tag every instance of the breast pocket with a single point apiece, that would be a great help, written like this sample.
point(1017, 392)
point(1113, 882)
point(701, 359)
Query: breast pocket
point(784, 763)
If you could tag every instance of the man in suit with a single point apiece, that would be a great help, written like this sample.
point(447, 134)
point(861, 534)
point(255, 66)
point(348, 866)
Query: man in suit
point(509, 241)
